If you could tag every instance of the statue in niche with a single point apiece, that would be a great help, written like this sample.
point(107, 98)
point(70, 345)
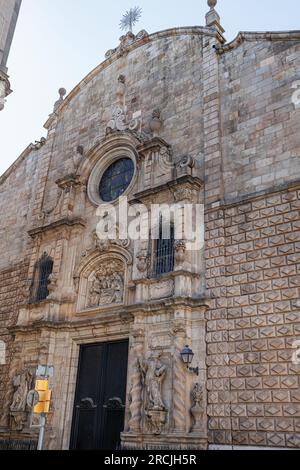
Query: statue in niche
point(153, 375)
point(22, 385)
point(107, 285)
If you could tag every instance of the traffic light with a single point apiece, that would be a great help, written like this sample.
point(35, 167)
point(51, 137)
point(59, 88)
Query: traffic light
point(42, 387)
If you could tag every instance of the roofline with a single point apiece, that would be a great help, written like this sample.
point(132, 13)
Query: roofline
point(16, 163)
point(258, 36)
point(188, 30)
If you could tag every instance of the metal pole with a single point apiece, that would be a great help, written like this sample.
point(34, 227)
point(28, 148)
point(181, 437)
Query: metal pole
point(42, 431)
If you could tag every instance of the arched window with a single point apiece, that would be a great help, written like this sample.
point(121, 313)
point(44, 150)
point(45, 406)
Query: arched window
point(164, 249)
point(43, 269)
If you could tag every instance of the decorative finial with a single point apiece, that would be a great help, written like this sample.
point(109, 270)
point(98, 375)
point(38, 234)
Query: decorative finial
point(62, 92)
point(212, 17)
point(130, 18)
point(212, 3)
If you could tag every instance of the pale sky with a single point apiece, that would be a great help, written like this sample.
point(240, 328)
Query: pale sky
point(58, 42)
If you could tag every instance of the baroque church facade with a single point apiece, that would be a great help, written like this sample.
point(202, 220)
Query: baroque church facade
point(175, 117)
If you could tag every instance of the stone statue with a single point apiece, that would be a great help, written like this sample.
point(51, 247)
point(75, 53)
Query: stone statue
point(22, 385)
point(153, 374)
point(95, 293)
point(117, 286)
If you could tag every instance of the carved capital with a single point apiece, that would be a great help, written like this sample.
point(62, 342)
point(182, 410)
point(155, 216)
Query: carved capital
point(185, 194)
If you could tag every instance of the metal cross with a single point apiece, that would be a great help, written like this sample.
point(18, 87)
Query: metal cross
point(130, 18)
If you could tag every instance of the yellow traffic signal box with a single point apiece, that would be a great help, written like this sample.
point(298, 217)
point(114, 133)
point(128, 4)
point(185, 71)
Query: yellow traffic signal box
point(42, 387)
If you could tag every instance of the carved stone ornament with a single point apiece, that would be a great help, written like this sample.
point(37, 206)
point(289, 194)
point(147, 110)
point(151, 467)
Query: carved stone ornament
point(104, 245)
point(107, 285)
point(126, 41)
point(22, 385)
point(197, 409)
point(119, 121)
point(121, 86)
point(154, 374)
point(186, 161)
point(184, 194)
point(38, 144)
point(143, 261)
point(52, 286)
point(156, 122)
point(161, 290)
point(180, 249)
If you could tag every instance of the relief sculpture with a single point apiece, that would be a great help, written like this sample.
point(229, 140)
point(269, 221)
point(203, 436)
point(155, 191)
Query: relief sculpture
point(107, 285)
point(22, 384)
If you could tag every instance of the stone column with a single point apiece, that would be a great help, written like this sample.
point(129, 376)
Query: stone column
point(179, 377)
point(136, 391)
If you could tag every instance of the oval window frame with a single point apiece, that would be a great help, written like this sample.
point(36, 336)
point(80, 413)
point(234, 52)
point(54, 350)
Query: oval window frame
point(102, 166)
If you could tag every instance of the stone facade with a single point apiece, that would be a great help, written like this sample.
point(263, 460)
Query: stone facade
point(9, 11)
point(204, 122)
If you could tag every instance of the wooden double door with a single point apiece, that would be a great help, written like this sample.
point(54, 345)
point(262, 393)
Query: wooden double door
point(100, 398)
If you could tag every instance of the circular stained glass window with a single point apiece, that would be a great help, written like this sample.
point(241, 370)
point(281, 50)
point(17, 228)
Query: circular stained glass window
point(116, 179)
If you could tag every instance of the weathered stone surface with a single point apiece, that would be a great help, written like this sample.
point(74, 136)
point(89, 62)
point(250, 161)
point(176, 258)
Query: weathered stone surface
point(226, 119)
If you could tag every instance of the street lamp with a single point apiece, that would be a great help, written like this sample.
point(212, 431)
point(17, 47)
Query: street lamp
point(187, 357)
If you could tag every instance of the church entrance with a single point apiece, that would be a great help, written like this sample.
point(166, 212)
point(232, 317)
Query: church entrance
point(99, 409)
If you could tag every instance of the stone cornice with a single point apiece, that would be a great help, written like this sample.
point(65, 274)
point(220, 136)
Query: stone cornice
point(153, 144)
point(190, 180)
point(169, 303)
point(62, 223)
point(258, 36)
point(86, 322)
point(226, 204)
point(125, 316)
point(154, 280)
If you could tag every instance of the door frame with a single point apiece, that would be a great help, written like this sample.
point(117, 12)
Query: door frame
point(70, 380)
point(97, 430)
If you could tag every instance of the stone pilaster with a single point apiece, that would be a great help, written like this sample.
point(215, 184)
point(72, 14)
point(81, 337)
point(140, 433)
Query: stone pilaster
point(179, 380)
point(136, 398)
